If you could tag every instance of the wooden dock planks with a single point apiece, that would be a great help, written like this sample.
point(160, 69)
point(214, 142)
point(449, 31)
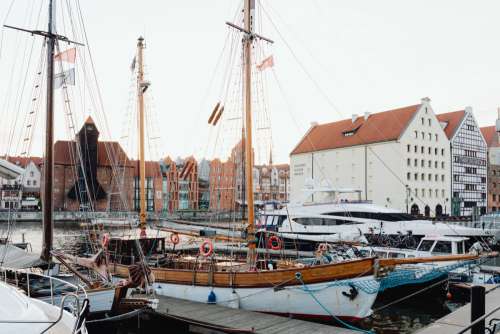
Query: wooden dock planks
point(236, 319)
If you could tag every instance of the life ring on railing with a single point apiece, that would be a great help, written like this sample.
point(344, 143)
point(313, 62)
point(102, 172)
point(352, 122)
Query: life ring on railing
point(322, 247)
point(105, 240)
point(206, 248)
point(274, 243)
point(174, 238)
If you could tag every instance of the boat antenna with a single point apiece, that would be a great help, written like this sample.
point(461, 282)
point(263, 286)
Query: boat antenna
point(48, 164)
point(248, 38)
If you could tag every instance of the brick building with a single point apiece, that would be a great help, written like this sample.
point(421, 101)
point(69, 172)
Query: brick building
point(491, 135)
point(222, 185)
point(180, 186)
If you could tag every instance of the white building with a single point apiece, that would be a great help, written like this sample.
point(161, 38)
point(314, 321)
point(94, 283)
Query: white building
point(468, 163)
point(397, 158)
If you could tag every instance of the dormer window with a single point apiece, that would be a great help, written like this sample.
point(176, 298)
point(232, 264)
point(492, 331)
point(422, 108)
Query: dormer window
point(351, 132)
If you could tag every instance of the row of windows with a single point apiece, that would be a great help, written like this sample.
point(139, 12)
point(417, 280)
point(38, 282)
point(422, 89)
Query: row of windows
point(428, 137)
point(429, 121)
point(429, 192)
point(422, 177)
point(423, 150)
point(422, 163)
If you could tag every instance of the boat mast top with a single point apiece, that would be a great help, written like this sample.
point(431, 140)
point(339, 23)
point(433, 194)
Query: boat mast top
point(142, 86)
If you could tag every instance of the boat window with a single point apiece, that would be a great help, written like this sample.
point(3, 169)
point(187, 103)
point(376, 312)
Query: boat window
point(386, 216)
point(460, 247)
point(269, 220)
point(426, 245)
point(281, 219)
point(442, 247)
point(381, 254)
point(396, 255)
point(323, 221)
point(364, 252)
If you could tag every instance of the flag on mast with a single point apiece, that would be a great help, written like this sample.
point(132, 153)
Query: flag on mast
point(64, 78)
point(68, 55)
point(266, 63)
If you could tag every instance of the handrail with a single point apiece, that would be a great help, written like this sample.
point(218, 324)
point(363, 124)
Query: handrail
point(481, 318)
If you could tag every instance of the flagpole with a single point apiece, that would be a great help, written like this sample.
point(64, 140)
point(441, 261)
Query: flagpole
point(48, 165)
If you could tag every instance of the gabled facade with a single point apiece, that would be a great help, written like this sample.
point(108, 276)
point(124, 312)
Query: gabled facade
point(397, 158)
point(491, 135)
point(468, 163)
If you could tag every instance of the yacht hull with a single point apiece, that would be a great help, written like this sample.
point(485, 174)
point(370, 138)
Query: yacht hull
point(100, 300)
point(297, 301)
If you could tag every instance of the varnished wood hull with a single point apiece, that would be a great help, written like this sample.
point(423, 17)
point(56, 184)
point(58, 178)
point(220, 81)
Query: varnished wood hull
point(271, 278)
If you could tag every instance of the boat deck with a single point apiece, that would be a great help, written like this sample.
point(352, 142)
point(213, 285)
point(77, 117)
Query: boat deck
point(460, 318)
point(229, 320)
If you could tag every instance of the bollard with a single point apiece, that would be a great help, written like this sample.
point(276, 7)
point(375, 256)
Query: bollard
point(477, 308)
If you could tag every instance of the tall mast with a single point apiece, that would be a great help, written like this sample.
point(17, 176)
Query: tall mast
point(48, 165)
point(247, 46)
point(141, 89)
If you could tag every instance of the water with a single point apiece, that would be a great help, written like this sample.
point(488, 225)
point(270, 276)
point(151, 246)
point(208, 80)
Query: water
point(404, 317)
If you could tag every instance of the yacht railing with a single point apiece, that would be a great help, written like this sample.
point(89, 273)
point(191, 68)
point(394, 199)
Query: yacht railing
point(30, 290)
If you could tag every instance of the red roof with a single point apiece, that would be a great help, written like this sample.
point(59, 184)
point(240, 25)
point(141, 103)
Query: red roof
point(24, 161)
point(453, 120)
point(109, 153)
point(379, 127)
point(490, 135)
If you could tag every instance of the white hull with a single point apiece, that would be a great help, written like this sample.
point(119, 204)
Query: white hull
point(291, 300)
point(99, 300)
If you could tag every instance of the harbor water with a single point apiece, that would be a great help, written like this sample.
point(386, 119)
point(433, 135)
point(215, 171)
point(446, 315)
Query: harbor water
point(404, 317)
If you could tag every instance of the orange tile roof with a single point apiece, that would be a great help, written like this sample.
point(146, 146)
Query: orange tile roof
point(379, 127)
point(453, 120)
point(490, 136)
point(24, 161)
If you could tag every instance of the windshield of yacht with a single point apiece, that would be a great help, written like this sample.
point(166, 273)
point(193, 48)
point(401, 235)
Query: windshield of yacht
point(323, 221)
point(385, 216)
point(426, 245)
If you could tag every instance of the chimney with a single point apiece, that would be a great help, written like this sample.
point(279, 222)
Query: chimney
point(354, 117)
point(367, 114)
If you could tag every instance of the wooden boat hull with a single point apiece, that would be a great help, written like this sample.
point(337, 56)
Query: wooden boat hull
point(259, 279)
point(295, 300)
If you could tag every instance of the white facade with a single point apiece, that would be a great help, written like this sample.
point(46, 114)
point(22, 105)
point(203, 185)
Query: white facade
point(411, 173)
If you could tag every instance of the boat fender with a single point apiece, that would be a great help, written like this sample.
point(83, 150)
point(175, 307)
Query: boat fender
point(274, 243)
point(206, 248)
point(353, 292)
point(212, 298)
point(174, 238)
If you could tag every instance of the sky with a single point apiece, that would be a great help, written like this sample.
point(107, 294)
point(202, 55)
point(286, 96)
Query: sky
point(332, 59)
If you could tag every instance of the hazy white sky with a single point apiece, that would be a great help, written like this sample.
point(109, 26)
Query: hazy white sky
point(364, 56)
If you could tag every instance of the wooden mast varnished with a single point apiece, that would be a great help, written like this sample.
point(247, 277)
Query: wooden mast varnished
point(141, 88)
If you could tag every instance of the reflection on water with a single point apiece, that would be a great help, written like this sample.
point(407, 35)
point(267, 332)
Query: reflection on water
point(404, 317)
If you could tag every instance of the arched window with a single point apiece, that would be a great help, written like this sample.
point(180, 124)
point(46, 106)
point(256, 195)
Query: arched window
point(427, 211)
point(439, 210)
point(415, 210)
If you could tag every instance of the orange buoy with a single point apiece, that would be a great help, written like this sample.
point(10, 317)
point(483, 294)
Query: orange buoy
point(206, 248)
point(210, 119)
point(274, 243)
point(218, 116)
point(449, 296)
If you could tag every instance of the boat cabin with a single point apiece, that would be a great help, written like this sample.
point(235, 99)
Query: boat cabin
point(124, 250)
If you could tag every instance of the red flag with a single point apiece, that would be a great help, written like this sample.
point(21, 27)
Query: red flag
point(67, 56)
point(268, 62)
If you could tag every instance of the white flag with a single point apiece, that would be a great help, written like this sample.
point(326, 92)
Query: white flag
point(66, 77)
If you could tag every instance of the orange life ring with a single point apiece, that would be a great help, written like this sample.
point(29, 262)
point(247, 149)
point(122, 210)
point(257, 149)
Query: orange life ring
point(274, 243)
point(174, 238)
point(206, 248)
point(105, 240)
point(322, 247)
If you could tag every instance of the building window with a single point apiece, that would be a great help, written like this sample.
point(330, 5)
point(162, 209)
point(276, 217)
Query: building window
point(436, 151)
point(423, 121)
point(429, 177)
point(494, 197)
point(494, 185)
point(442, 178)
point(408, 176)
point(442, 192)
point(29, 182)
point(436, 177)
point(430, 136)
point(34, 182)
point(415, 163)
point(416, 176)
point(423, 192)
point(442, 164)
point(408, 162)
point(430, 164)
point(416, 134)
point(429, 150)
point(435, 164)
point(422, 150)
point(422, 163)
point(437, 137)
point(437, 193)
point(430, 192)
point(408, 148)
point(423, 177)
point(423, 134)
point(32, 174)
point(415, 149)
point(429, 122)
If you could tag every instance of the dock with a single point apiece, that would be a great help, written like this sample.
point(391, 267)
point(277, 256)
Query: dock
point(461, 318)
point(220, 319)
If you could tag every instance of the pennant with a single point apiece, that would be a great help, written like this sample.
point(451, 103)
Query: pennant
point(132, 66)
point(67, 56)
point(266, 63)
point(64, 78)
